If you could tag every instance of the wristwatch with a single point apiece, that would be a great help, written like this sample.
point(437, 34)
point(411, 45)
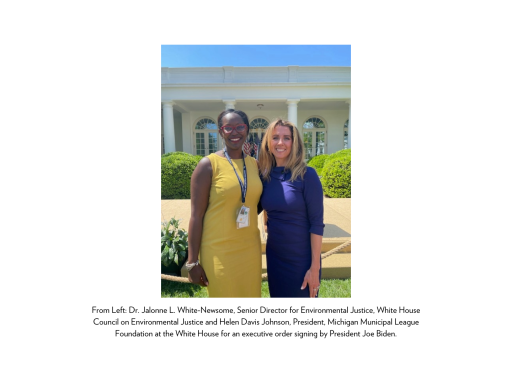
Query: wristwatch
point(189, 266)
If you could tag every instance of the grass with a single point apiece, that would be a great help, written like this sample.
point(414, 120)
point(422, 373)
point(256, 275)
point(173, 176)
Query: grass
point(328, 288)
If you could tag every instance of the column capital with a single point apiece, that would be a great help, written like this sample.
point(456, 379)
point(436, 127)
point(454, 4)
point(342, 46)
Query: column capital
point(348, 102)
point(292, 101)
point(230, 104)
point(168, 103)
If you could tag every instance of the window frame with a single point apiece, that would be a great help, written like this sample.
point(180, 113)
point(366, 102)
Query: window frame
point(259, 131)
point(313, 135)
point(205, 136)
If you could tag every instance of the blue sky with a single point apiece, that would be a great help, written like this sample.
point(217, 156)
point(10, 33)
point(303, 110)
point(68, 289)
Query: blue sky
point(254, 55)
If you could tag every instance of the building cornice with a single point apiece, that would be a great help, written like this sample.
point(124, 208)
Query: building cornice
point(239, 85)
point(292, 74)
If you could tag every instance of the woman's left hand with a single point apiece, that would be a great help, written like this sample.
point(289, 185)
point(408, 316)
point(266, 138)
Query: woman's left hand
point(311, 279)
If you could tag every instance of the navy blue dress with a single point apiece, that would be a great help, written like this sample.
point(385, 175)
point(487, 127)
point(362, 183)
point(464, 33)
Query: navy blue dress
point(294, 210)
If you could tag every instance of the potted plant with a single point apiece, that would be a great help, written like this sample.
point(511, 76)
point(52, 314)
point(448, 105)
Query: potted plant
point(174, 247)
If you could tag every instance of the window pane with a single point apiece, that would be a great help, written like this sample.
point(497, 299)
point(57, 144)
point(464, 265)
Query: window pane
point(308, 125)
point(206, 124)
point(204, 148)
point(254, 137)
point(200, 144)
point(308, 143)
point(258, 123)
point(212, 142)
point(314, 122)
point(320, 143)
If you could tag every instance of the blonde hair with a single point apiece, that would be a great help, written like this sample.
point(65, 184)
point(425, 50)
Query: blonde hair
point(295, 164)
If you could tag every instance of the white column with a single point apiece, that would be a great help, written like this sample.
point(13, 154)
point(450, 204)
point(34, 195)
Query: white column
point(292, 110)
point(349, 102)
point(169, 141)
point(230, 104)
point(188, 133)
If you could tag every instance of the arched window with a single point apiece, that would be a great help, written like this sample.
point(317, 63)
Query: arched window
point(257, 129)
point(206, 137)
point(314, 134)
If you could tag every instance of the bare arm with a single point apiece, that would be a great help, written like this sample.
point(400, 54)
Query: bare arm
point(200, 184)
point(260, 208)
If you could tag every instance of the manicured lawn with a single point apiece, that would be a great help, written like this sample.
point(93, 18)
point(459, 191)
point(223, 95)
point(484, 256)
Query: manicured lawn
point(330, 289)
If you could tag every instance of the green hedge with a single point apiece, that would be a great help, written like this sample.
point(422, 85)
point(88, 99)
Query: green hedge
point(336, 177)
point(344, 153)
point(317, 162)
point(176, 171)
point(335, 172)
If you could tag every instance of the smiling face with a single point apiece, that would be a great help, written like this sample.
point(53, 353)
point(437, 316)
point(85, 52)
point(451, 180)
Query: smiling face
point(235, 139)
point(281, 144)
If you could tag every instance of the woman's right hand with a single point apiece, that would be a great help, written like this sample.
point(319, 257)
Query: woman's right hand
point(197, 275)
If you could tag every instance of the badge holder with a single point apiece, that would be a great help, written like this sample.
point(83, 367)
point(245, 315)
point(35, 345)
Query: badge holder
point(242, 219)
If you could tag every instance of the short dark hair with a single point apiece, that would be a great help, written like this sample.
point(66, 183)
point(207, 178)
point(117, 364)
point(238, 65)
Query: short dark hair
point(239, 113)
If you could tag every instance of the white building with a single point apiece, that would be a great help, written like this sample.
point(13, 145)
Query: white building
point(316, 99)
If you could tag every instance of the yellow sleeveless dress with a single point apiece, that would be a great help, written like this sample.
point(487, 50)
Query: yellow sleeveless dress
point(231, 257)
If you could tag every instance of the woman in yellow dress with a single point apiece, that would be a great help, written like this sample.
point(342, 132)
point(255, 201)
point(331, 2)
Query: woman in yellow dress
point(224, 251)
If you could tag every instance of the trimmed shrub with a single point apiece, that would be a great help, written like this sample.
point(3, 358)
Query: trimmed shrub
point(176, 171)
point(317, 162)
point(336, 176)
point(344, 153)
point(341, 153)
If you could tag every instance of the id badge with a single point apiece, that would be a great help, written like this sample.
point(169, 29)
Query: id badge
point(242, 219)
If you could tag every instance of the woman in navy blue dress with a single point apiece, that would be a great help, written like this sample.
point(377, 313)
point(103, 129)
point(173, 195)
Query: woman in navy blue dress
point(293, 199)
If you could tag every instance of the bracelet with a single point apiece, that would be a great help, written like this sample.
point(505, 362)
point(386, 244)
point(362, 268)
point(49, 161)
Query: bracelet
point(189, 266)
